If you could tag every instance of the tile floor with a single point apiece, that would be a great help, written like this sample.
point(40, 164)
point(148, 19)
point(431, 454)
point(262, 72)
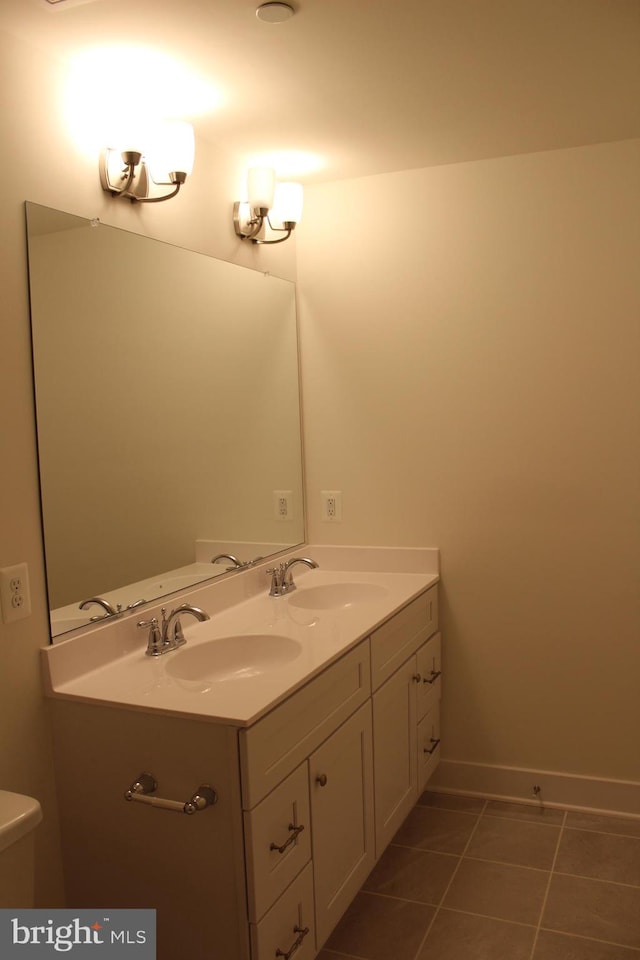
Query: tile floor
point(468, 879)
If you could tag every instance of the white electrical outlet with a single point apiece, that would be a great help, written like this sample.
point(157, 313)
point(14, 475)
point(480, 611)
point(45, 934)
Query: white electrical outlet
point(283, 504)
point(331, 505)
point(14, 592)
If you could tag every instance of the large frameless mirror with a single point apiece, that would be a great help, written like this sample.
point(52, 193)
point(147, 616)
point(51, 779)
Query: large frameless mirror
point(168, 414)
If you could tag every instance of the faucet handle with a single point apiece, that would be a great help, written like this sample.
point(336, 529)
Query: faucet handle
point(277, 582)
point(136, 603)
point(154, 642)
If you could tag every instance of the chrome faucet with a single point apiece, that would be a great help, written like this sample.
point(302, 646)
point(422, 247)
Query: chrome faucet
point(282, 578)
point(109, 609)
point(168, 635)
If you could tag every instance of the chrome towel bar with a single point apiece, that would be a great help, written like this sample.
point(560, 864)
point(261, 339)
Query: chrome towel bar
point(146, 784)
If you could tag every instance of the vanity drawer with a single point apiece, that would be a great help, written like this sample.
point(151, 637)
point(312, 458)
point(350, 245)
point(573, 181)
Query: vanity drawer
point(276, 744)
point(428, 745)
point(401, 636)
point(429, 669)
point(286, 922)
point(277, 841)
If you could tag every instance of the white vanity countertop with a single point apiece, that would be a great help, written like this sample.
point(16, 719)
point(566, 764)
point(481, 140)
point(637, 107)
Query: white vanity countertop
point(109, 666)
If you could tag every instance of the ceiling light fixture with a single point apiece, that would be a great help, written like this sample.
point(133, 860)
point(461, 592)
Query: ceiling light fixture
point(274, 12)
point(282, 202)
point(166, 161)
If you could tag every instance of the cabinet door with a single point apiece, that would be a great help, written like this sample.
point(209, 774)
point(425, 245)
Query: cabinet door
point(341, 787)
point(395, 751)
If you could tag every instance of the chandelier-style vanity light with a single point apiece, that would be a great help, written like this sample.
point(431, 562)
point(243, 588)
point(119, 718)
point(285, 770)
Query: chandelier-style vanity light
point(166, 160)
point(269, 202)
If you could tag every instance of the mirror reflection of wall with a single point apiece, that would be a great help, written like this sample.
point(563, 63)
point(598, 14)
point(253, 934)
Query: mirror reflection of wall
point(167, 404)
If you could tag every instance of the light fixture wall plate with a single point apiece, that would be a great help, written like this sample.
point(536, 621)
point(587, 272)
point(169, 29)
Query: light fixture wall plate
point(244, 221)
point(127, 173)
point(113, 174)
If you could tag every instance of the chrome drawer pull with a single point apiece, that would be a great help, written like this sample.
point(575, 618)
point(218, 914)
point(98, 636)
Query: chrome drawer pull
point(435, 744)
point(146, 784)
point(434, 676)
point(302, 932)
point(291, 839)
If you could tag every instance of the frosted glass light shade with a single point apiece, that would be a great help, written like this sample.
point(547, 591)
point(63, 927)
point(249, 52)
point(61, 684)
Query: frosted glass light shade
point(171, 150)
point(261, 184)
point(288, 203)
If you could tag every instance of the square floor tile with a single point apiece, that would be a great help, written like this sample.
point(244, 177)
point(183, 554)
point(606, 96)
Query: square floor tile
point(594, 908)
point(498, 890)
point(460, 936)
point(514, 841)
point(443, 831)
point(603, 856)
point(378, 928)
point(412, 874)
point(560, 946)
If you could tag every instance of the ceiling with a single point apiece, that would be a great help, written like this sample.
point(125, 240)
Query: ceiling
point(357, 87)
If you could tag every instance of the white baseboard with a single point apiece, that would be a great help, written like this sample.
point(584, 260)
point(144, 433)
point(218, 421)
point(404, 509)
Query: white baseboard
point(569, 791)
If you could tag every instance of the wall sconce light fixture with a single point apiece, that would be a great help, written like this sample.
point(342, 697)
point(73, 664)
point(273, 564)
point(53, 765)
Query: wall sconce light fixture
point(166, 161)
point(269, 203)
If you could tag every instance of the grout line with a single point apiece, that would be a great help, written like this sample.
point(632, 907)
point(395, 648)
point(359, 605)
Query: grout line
point(584, 876)
point(336, 953)
point(546, 892)
point(580, 936)
point(604, 833)
point(538, 823)
point(452, 878)
point(488, 916)
point(437, 853)
point(509, 863)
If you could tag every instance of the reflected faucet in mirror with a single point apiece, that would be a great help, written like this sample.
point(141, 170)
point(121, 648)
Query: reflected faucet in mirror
point(109, 609)
point(237, 564)
point(168, 635)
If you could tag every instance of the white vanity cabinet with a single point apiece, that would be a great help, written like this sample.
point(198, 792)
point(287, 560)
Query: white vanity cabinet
point(406, 679)
point(309, 796)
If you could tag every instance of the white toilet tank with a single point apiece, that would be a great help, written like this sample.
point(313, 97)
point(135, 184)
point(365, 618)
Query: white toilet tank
point(19, 816)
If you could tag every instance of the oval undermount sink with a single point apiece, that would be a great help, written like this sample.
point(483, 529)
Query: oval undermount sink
point(328, 596)
point(233, 658)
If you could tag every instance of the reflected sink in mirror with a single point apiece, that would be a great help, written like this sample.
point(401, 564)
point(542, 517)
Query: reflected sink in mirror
point(330, 596)
point(180, 582)
point(233, 658)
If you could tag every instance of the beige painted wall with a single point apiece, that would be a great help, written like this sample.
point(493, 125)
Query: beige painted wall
point(46, 168)
point(469, 371)
point(470, 345)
